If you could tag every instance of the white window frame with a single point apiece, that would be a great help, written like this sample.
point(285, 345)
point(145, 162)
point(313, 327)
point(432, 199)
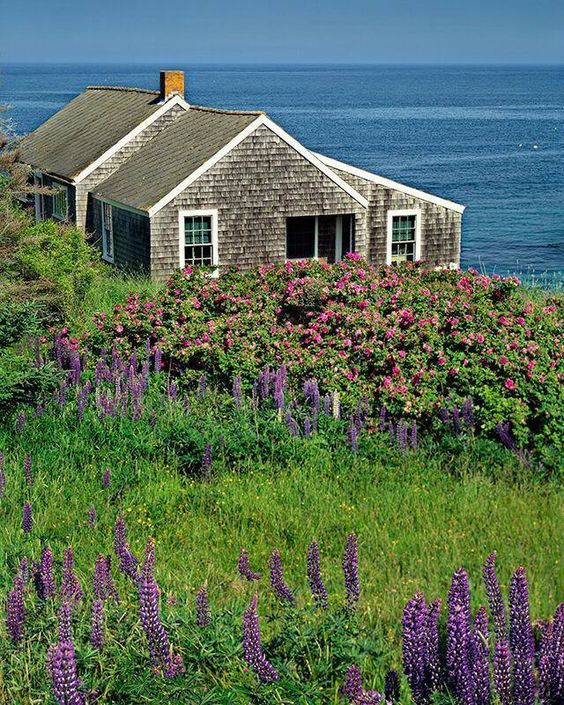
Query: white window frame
point(409, 211)
point(209, 213)
point(39, 206)
point(105, 255)
point(315, 239)
point(60, 187)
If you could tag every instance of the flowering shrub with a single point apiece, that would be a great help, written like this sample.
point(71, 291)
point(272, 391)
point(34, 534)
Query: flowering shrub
point(412, 339)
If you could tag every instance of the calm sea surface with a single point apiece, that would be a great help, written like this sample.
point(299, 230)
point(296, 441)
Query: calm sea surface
point(489, 137)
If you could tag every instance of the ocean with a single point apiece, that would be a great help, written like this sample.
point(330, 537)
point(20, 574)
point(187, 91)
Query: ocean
point(490, 137)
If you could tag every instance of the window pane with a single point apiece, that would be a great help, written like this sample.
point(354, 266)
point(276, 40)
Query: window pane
point(198, 230)
point(300, 237)
point(403, 228)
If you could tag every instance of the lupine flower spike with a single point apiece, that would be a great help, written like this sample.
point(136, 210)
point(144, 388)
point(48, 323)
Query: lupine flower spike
point(350, 570)
point(61, 666)
point(27, 522)
point(203, 614)
point(245, 568)
point(97, 629)
point(495, 600)
point(277, 582)
point(316, 584)
point(353, 690)
point(521, 640)
point(70, 587)
point(252, 649)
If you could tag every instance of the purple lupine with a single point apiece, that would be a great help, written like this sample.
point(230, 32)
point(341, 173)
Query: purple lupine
point(24, 569)
point(503, 430)
point(27, 521)
point(392, 687)
point(414, 647)
point(157, 360)
point(70, 586)
point(65, 621)
point(28, 472)
point(237, 391)
point(160, 650)
point(279, 387)
point(61, 666)
point(551, 661)
point(20, 422)
point(172, 391)
point(44, 580)
point(103, 583)
point(391, 431)
point(353, 434)
point(252, 649)
point(92, 516)
point(352, 689)
point(128, 563)
point(207, 460)
point(502, 671)
point(433, 668)
point(458, 638)
point(15, 610)
point(467, 412)
point(245, 568)
point(401, 434)
point(495, 599)
point(316, 584)
point(307, 428)
point(521, 640)
point(327, 404)
point(106, 478)
point(480, 658)
point(203, 614)
point(97, 625)
point(277, 581)
point(382, 418)
point(202, 386)
point(350, 571)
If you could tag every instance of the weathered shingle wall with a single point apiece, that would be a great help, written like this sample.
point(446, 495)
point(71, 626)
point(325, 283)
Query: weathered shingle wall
point(115, 161)
point(441, 227)
point(132, 237)
point(255, 188)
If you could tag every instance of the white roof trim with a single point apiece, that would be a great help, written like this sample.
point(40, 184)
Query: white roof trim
point(267, 122)
point(206, 165)
point(388, 183)
point(165, 107)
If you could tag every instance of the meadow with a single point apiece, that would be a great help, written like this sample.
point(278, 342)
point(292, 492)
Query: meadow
point(207, 464)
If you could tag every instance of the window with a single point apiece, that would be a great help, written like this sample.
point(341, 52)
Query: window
point(198, 242)
point(301, 237)
point(107, 232)
point(60, 202)
point(403, 236)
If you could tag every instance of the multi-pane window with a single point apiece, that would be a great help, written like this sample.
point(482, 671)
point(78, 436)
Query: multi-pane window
point(404, 233)
point(107, 231)
point(60, 203)
point(198, 244)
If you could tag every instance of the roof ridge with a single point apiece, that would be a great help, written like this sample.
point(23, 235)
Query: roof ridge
point(122, 88)
point(203, 108)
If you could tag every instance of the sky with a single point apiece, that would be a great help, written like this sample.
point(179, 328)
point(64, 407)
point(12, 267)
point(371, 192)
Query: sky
point(283, 31)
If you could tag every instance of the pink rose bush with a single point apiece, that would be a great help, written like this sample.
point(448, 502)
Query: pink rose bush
point(412, 339)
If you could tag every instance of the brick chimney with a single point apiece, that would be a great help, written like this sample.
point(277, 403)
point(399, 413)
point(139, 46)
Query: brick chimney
point(172, 83)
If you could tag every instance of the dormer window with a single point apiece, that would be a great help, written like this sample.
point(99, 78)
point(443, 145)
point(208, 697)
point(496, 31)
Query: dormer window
point(60, 201)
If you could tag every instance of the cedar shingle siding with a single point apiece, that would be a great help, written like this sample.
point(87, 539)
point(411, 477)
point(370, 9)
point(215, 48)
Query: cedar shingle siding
point(255, 187)
point(132, 237)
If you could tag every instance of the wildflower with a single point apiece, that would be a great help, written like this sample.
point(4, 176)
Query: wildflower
point(495, 600)
point(237, 391)
point(97, 627)
point(27, 470)
point(458, 638)
point(61, 666)
point(15, 610)
point(277, 578)
point(502, 671)
point(353, 690)
point(392, 687)
point(414, 647)
point(353, 435)
point(521, 640)
point(106, 478)
point(203, 614)
point(551, 661)
point(245, 568)
point(20, 422)
point(480, 658)
point(252, 649)
point(162, 657)
point(128, 563)
point(350, 570)
point(103, 583)
point(207, 460)
point(70, 587)
point(27, 523)
point(314, 578)
point(92, 516)
point(65, 621)
point(44, 580)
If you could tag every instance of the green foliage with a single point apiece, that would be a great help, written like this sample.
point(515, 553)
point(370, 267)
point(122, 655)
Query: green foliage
point(21, 382)
point(19, 319)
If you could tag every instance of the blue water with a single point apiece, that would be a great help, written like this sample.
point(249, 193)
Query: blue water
point(464, 133)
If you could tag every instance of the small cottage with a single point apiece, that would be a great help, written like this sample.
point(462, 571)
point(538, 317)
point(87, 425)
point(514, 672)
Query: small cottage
point(158, 183)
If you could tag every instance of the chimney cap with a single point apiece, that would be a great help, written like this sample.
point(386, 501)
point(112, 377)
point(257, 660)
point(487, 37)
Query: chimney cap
point(172, 83)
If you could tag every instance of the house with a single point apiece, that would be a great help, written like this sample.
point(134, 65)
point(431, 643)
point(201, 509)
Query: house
point(158, 183)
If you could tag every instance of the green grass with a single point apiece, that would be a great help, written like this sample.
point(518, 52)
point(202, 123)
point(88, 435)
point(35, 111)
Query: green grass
point(418, 517)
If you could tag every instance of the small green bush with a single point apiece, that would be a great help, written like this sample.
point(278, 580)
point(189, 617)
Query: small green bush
point(19, 319)
point(22, 382)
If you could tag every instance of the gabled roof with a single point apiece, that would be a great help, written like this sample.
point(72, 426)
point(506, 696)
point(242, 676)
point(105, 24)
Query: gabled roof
point(174, 154)
point(388, 183)
point(86, 128)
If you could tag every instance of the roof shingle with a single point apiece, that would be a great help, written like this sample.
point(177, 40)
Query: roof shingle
point(87, 127)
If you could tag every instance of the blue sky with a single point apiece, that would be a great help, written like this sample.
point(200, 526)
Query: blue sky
point(294, 31)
